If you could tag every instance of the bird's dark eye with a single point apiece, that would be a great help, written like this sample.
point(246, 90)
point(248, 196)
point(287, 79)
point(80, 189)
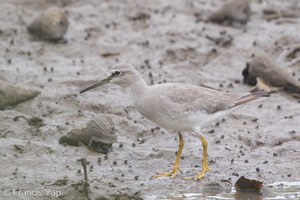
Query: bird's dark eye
point(117, 73)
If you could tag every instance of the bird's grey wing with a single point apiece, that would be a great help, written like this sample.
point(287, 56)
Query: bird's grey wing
point(191, 98)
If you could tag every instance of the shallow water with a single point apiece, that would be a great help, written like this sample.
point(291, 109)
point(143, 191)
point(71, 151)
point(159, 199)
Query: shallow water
point(278, 190)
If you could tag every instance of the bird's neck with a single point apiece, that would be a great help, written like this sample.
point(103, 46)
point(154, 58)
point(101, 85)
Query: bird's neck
point(136, 89)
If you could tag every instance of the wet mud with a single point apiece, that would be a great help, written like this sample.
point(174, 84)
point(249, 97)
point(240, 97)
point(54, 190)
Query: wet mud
point(167, 42)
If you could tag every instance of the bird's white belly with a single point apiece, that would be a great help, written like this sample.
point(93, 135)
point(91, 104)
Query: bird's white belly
point(189, 121)
point(181, 122)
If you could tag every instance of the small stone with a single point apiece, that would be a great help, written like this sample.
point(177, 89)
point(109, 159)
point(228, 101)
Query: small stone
point(231, 12)
point(11, 95)
point(211, 131)
point(50, 24)
point(98, 133)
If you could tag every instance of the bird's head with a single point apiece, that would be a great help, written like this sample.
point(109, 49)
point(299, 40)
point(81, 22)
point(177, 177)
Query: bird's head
point(120, 74)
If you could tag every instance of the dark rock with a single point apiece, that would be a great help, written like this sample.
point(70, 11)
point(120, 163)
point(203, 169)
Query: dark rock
point(11, 95)
point(98, 134)
point(232, 11)
point(51, 24)
point(264, 67)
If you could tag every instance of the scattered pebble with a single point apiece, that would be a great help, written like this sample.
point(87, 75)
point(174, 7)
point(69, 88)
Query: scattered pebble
point(11, 95)
point(52, 24)
point(269, 71)
point(234, 11)
point(222, 40)
point(98, 133)
point(211, 131)
point(139, 16)
point(235, 174)
point(111, 185)
point(33, 121)
point(230, 85)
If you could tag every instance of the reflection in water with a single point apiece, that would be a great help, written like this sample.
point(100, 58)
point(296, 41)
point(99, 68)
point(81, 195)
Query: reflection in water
point(252, 194)
point(247, 195)
point(214, 190)
point(283, 190)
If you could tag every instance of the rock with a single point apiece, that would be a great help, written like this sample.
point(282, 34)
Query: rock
point(33, 121)
point(264, 67)
point(232, 11)
point(250, 188)
point(52, 24)
point(223, 40)
point(11, 95)
point(262, 85)
point(98, 134)
point(2, 78)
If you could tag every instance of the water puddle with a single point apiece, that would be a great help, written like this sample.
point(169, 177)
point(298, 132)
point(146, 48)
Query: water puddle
point(277, 190)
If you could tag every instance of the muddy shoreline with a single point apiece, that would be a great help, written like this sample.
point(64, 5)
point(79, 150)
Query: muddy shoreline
point(166, 41)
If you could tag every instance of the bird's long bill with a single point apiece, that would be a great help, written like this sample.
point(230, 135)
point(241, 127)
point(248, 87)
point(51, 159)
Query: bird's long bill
point(97, 84)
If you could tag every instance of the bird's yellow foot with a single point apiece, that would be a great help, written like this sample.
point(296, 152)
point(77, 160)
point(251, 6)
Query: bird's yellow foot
point(201, 174)
point(171, 173)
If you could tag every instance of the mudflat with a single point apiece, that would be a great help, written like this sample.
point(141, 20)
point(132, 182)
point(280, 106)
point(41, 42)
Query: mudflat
point(166, 41)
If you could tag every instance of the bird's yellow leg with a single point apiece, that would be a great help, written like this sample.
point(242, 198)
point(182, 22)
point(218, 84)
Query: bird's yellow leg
point(205, 167)
point(173, 172)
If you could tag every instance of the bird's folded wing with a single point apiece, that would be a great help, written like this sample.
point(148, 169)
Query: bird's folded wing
point(191, 98)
